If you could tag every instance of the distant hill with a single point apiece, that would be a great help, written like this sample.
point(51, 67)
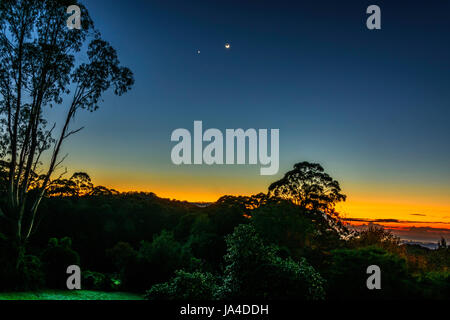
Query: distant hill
point(201, 204)
point(428, 245)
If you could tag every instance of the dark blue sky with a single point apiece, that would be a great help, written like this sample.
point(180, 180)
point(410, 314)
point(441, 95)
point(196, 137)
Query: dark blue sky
point(371, 106)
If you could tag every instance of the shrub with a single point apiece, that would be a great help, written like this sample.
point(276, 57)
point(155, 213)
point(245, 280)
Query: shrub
point(32, 273)
point(28, 275)
point(194, 286)
point(347, 274)
point(435, 285)
point(253, 270)
point(122, 255)
point(95, 281)
point(156, 262)
point(8, 272)
point(56, 258)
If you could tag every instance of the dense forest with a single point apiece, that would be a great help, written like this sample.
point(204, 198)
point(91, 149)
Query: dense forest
point(288, 243)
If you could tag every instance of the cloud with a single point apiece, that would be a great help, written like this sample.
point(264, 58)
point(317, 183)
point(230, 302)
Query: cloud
point(391, 221)
point(371, 220)
point(409, 233)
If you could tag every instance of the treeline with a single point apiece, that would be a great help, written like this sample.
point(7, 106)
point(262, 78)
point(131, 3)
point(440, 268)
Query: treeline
point(267, 246)
point(137, 242)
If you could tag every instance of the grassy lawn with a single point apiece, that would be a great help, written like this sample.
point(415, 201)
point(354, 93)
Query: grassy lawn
point(69, 295)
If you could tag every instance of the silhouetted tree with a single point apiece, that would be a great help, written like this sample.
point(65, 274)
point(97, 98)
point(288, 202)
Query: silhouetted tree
point(442, 244)
point(83, 183)
point(102, 191)
point(37, 69)
point(61, 188)
point(378, 236)
point(308, 186)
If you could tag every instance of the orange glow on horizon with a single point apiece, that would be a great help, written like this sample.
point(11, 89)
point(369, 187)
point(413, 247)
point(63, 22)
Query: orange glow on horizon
point(410, 210)
point(414, 214)
point(417, 213)
point(404, 225)
point(190, 196)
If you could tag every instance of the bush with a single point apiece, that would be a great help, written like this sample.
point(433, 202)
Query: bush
point(254, 271)
point(31, 273)
point(8, 273)
point(435, 285)
point(56, 258)
point(28, 275)
point(347, 274)
point(99, 281)
point(194, 286)
point(156, 262)
point(122, 255)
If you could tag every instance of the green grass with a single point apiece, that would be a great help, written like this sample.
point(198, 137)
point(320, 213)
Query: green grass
point(69, 295)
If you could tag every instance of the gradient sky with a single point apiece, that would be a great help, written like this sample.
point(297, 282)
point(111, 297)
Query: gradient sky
point(372, 107)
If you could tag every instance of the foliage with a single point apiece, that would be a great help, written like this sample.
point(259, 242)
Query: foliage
point(439, 260)
point(442, 244)
point(195, 286)
point(435, 285)
point(122, 254)
point(157, 262)
point(78, 185)
point(255, 247)
point(99, 281)
point(8, 272)
point(38, 71)
point(347, 275)
point(108, 230)
point(28, 276)
point(253, 270)
point(309, 187)
point(31, 273)
point(56, 258)
point(377, 236)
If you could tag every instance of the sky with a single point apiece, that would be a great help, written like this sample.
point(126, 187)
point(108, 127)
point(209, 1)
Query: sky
point(371, 106)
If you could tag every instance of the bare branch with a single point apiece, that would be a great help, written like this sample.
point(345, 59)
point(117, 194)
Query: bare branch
point(61, 161)
point(73, 132)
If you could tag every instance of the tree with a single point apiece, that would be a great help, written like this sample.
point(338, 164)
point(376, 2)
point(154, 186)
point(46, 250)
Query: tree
point(347, 275)
point(377, 236)
point(122, 255)
point(61, 188)
point(255, 271)
point(56, 258)
point(308, 186)
point(157, 262)
point(442, 244)
point(83, 183)
point(38, 70)
point(77, 186)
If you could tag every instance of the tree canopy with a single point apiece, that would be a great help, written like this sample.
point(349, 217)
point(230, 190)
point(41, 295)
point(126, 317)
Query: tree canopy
point(309, 187)
point(42, 66)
